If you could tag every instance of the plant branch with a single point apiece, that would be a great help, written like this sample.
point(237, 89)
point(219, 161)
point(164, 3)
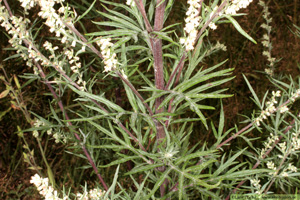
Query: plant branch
point(60, 104)
point(62, 109)
point(248, 126)
point(179, 67)
point(134, 91)
point(78, 87)
point(264, 156)
point(27, 43)
point(207, 23)
point(235, 135)
point(72, 28)
point(141, 8)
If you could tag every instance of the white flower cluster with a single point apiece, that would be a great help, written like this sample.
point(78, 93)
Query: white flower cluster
point(295, 142)
point(57, 136)
point(270, 108)
point(93, 194)
point(283, 109)
point(39, 123)
point(170, 154)
point(130, 2)
point(267, 53)
point(16, 27)
point(75, 65)
point(256, 184)
point(193, 19)
point(109, 56)
point(288, 170)
point(295, 95)
point(48, 12)
point(236, 5)
point(271, 139)
point(271, 166)
point(27, 5)
point(212, 25)
point(216, 47)
point(49, 46)
point(231, 9)
point(42, 185)
point(53, 58)
point(282, 146)
point(192, 22)
point(54, 20)
point(292, 168)
point(294, 146)
point(266, 42)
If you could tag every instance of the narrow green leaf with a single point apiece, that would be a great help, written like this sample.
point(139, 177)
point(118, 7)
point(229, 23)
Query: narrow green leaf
point(140, 187)
point(119, 161)
point(50, 175)
point(167, 99)
point(136, 47)
point(115, 147)
point(209, 96)
point(143, 168)
point(86, 12)
point(159, 94)
point(184, 120)
point(239, 29)
point(111, 24)
point(134, 11)
point(221, 121)
point(159, 182)
point(165, 37)
point(200, 166)
point(121, 22)
point(111, 191)
point(244, 173)
point(197, 179)
point(180, 186)
point(202, 76)
point(209, 85)
point(131, 97)
point(113, 33)
point(98, 98)
point(253, 93)
point(228, 163)
point(170, 56)
point(121, 16)
point(194, 108)
point(193, 155)
point(109, 133)
point(97, 109)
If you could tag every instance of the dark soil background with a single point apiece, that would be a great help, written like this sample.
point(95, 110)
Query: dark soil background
point(243, 55)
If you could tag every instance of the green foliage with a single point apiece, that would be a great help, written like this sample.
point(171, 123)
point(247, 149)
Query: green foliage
point(131, 109)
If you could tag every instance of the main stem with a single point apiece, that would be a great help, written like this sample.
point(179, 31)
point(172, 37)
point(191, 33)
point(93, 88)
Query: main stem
point(158, 65)
point(159, 77)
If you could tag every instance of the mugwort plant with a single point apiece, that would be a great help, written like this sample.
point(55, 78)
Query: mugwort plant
point(138, 87)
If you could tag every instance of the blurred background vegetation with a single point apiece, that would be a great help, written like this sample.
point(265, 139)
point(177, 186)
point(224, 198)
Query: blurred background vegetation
point(243, 55)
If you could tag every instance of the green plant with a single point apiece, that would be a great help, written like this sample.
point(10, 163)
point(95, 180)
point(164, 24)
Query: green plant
point(134, 97)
